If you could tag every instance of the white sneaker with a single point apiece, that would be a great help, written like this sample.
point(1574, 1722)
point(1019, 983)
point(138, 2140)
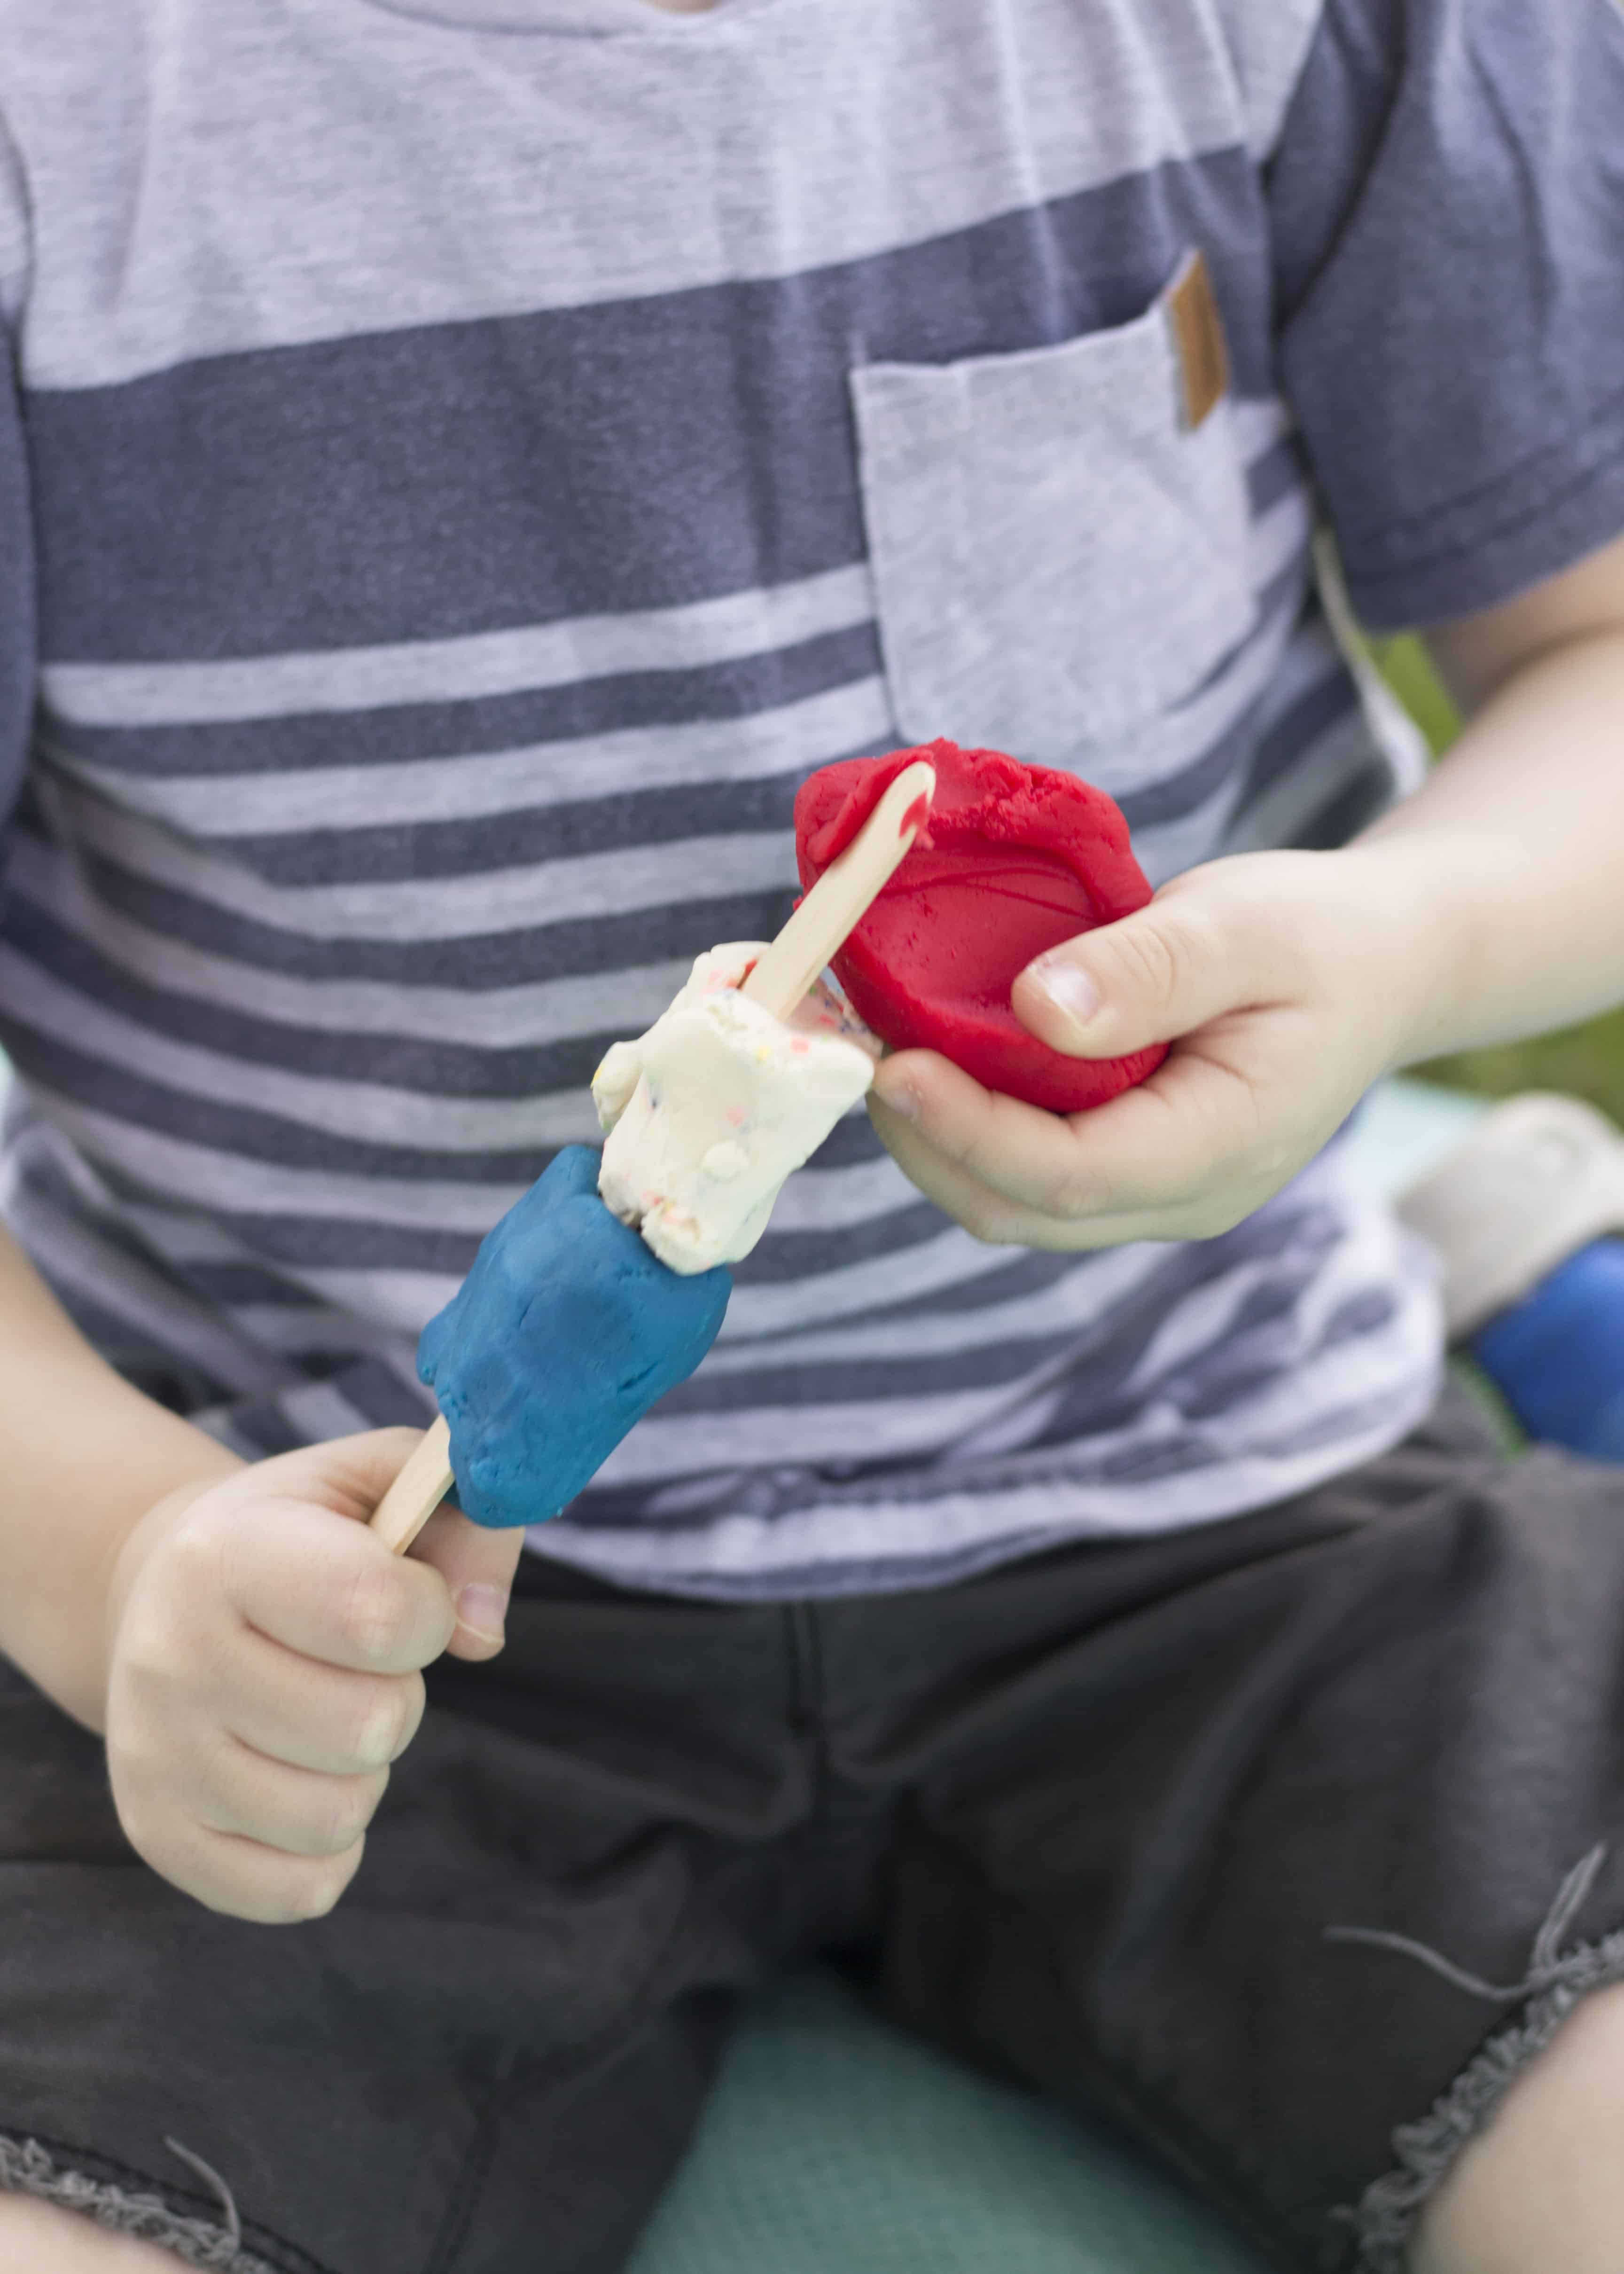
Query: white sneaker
point(1537, 1178)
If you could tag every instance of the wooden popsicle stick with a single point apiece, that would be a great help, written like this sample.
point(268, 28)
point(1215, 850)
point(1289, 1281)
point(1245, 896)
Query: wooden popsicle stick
point(843, 894)
point(417, 1491)
point(838, 903)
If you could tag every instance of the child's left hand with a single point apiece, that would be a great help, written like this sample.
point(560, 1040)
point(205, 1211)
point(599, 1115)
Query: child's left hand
point(1286, 983)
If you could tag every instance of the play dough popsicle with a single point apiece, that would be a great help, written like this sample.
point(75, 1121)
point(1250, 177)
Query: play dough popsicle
point(570, 1325)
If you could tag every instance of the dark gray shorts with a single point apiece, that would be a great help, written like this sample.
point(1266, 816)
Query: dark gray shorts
point(1087, 1821)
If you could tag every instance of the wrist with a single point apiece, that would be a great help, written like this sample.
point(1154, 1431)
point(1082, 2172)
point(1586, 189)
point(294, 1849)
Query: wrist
point(86, 1456)
point(65, 1629)
point(1422, 917)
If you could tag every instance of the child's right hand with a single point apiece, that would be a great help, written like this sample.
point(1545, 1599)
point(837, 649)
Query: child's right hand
point(264, 1654)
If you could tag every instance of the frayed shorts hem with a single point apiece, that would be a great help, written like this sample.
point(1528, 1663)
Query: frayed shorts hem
point(1389, 2213)
point(28, 2167)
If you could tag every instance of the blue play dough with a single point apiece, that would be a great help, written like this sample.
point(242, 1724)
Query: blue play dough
point(562, 1336)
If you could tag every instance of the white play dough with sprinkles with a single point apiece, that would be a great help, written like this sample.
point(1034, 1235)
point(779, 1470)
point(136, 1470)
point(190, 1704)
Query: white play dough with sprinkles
point(710, 1111)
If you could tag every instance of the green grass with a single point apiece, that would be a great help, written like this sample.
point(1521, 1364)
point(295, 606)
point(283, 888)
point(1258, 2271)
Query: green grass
point(1586, 1061)
point(1407, 672)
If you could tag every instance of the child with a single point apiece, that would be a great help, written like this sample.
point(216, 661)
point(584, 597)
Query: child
point(468, 460)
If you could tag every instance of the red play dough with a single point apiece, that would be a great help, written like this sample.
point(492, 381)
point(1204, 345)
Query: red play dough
point(1015, 859)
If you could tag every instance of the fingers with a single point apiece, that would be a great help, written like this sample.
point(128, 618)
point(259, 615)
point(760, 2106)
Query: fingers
point(384, 1623)
point(1256, 970)
point(245, 1832)
point(349, 1475)
point(327, 1591)
point(477, 1563)
point(298, 1811)
point(929, 1110)
point(1181, 1156)
point(1005, 1223)
point(1049, 1164)
point(984, 1213)
point(263, 1673)
point(309, 1716)
point(245, 1879)
point(1207, 944)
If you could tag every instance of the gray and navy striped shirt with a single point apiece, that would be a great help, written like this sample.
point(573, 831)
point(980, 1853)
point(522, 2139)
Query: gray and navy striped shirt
point(468, 460)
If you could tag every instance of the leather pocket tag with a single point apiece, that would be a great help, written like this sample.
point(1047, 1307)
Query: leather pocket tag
point(1198, 335)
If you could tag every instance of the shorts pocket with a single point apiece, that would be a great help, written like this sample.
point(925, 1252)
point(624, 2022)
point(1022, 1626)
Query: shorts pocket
point(1059, 550)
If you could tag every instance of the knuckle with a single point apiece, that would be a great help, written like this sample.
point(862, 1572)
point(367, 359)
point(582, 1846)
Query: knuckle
point(376, 1616)
point(312, 1899)
point(218, 1880)
point(197, 1552)
point(259, 1906)
point(1082, 1196)
point(335, 1822)
point(315, 1892)
point(279, 1901)
point(414, 1696)
point(147, 1659)
point(988, 1223)
point(1071, 1197)
point(294, 1891)
point(229, 1896)
point(377, 1729)
point(1177, 952)
point(957, 1145)
point(1154, 958)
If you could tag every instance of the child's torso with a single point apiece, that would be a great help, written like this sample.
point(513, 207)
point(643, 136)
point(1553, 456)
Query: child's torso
point(475, 476)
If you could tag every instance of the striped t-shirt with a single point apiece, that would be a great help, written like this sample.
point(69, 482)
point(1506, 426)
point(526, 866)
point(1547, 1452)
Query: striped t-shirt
point(468, 460)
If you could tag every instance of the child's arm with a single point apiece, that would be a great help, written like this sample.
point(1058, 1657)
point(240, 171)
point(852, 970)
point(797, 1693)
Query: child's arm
point(83, 1456)
point(1489, 905)
point(250, 1649)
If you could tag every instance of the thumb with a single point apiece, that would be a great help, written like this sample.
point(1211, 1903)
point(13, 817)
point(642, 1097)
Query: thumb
point(350, 1476)
point(477, 1563)
point(1148, 978)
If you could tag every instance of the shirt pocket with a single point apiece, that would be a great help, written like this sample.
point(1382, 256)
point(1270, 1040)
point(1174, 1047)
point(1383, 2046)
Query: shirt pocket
point(1059, 550)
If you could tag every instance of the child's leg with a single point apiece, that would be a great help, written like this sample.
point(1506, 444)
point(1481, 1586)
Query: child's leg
point(1544, 2187)
point(493, 2050)
point(47, 2240)
point(1293, 1844)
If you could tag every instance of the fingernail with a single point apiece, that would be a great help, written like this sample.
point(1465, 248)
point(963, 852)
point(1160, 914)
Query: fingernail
point(1071, 991)
point(483, 1610)
point(902, 1100)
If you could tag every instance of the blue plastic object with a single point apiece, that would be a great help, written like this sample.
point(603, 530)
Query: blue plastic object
point(1557, 1357)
